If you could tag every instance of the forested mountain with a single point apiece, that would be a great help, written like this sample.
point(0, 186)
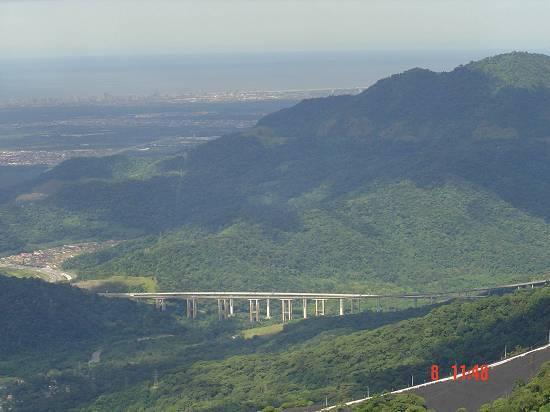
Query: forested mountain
point(439, 179)
point(37, 316)
point(341, 367)
point(76, 351)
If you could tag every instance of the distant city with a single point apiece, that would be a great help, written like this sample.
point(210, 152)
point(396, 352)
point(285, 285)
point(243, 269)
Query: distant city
point(207, 97)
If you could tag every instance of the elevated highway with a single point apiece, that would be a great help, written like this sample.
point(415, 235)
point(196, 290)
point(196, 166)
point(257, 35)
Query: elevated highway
point(226, 307)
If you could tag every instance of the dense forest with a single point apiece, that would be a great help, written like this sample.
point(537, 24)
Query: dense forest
point(38, 315)
point(425, 181)
point(158, 361)
point(439, 179)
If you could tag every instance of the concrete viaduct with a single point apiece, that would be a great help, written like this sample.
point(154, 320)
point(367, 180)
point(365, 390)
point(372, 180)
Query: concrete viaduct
point(226, 308)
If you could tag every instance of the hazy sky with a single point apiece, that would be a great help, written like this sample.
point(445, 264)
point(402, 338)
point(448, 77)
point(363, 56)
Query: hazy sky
point(33, 28)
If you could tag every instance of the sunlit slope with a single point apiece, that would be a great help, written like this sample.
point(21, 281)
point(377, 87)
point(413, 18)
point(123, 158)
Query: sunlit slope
point(342, 367)
point(433, 179)
point(390, 236)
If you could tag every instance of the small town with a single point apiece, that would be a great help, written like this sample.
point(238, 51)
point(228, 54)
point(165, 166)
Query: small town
point(53, 258)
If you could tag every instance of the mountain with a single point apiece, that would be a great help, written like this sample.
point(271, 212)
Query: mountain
point(65, 349)
point(433, 179)
point(500, 97)
point(40, 317)
point(62, 348)
point(341, 366)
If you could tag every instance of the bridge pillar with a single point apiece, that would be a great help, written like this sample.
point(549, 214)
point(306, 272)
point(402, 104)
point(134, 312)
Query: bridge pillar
point(304, 307)
point(223, 309)
point(160, 304)
point(415, 302)
point(254, 310)
point(268, 311)
point(358, 304)
point(320, 307)
point(378, 304)
point(231, 309)
point(341, 307)
point(286, 309)
point(191, 308)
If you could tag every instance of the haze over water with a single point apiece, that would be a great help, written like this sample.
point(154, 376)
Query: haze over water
point(131, 75)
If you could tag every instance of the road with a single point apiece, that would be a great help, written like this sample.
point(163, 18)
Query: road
point(448, 394)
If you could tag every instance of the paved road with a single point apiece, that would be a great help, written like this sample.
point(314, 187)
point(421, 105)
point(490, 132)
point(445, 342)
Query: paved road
point(448, 395)
point(452, 395)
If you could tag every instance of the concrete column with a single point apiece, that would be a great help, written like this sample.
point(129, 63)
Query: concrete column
point(268, 312)
point(286, 309)
point(254, 310)
point(341, 307)
point(160, 304)
point(378, 305)
point(290, 309)
point(351, 305)
point(191, 308)
point(223, 309)
point(231, 310)
point(415, 302)
point(304, 306)
point(320, 307)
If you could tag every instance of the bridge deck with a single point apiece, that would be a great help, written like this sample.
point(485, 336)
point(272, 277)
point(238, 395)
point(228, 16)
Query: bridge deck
point(320, 295)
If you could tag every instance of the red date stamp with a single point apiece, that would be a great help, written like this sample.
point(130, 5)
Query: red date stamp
point(463, 373)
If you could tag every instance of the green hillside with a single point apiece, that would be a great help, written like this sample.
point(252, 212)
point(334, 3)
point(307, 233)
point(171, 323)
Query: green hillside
point(37, 316)
point(147, 360)
point(433, 179)
point(517, 69)
point(341, 367)
point(61, 348)
point(450, 236)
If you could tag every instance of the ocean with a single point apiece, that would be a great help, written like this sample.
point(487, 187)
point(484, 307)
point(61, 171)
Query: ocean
point(198, 73)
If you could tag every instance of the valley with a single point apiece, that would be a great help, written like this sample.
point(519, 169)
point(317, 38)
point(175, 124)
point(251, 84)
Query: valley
point(425, 185)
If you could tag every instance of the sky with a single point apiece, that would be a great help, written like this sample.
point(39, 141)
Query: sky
point(51, 28)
